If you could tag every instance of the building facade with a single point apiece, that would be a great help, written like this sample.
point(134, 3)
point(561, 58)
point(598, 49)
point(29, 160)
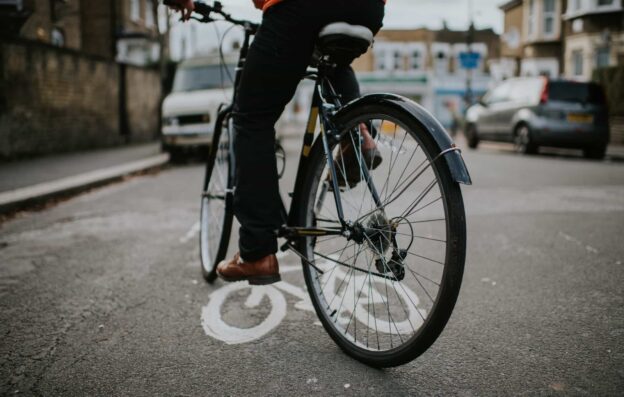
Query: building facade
point(122, 30)
point(512, 50)
point(425, 65)
point(594, 36)
point(560, 38)
point(542, 34)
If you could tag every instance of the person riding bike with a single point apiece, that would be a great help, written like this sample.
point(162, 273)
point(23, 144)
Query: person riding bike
point(276, 62)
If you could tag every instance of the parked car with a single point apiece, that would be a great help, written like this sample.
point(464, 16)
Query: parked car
point(200, 86)
point(536, 111)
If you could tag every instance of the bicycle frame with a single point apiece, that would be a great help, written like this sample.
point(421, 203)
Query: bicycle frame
point(327, 108)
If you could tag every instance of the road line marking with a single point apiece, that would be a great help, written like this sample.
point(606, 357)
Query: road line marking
point(578, 242)
point(193, 231)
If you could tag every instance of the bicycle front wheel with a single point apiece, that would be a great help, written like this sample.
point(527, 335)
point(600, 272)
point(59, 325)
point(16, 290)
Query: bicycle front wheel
point(216, 205)
point(388, 287)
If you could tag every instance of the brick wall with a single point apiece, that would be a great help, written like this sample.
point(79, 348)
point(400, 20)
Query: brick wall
point(98, 34)
point(142, 103)
point(54, 100)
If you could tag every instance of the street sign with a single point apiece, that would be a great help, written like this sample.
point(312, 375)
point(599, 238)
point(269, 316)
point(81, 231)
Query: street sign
point(469, 60)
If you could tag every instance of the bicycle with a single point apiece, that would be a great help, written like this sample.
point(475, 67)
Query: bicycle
point(399, 228)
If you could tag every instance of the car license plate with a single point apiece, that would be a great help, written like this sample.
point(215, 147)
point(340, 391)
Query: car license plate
point(580, 118)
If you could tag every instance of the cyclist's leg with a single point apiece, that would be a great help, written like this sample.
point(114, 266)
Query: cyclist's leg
point(278, 58)
point(276, 61)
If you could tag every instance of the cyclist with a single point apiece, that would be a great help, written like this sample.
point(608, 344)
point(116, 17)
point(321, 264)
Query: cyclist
point(276, 62)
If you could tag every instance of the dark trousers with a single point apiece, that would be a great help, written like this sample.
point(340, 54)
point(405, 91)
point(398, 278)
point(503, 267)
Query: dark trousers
point(276, 62)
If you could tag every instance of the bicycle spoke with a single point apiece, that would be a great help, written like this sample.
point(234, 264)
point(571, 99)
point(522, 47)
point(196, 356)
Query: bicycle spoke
point(378, 292)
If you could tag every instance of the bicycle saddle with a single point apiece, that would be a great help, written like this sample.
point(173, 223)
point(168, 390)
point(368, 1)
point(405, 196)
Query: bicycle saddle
point(344, 42)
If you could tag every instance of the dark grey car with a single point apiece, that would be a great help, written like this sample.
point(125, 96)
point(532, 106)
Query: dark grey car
point(536, 111)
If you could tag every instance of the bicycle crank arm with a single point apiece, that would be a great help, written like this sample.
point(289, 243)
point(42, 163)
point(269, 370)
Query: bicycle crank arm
point(292, 233)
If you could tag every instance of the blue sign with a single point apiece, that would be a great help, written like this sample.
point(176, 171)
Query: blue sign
point(469, 60)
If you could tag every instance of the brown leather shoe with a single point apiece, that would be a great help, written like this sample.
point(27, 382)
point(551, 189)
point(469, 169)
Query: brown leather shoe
point(261, 272)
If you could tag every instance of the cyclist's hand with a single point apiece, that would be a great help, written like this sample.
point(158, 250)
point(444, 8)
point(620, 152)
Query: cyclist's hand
point(185, 7)
point(259, 3)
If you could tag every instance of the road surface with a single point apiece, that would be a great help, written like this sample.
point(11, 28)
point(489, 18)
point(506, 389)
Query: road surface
point(102, 295)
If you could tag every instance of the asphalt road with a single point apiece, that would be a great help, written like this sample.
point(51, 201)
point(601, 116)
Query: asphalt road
point(101, 295)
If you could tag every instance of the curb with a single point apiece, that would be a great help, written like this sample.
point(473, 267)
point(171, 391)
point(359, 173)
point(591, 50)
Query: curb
point(26, 196)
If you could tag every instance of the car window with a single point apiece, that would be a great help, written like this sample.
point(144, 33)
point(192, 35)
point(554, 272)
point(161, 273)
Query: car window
point(498, 94)
point(567, 91)
point(526, 90)
point(203, 77)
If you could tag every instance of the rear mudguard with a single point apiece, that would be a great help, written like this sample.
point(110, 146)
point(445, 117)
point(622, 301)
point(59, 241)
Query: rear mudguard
point(453, 158)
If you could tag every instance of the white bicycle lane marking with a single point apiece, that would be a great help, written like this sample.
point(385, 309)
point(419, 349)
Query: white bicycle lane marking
point(216, 327)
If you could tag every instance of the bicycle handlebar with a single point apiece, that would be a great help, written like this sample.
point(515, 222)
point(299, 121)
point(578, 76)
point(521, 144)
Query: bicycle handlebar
point(205, 10)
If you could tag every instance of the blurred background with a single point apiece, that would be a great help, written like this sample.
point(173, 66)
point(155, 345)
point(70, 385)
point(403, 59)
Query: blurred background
point(80, 75)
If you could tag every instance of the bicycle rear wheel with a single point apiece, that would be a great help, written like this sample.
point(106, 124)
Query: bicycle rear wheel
point(216, 205)
point(388, 289)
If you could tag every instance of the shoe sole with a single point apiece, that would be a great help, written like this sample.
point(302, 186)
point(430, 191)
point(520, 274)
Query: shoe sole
point(253, 280)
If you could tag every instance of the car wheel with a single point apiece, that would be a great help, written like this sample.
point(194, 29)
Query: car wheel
point(523, 141)
point(472, 137)
point(595, 152)
point(175, 153)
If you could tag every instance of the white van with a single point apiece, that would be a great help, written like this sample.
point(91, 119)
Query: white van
point(200, 86)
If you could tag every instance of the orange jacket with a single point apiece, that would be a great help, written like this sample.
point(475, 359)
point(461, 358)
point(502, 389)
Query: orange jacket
point(269, 3)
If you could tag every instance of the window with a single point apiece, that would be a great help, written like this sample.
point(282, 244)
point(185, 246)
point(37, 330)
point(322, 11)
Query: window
point(380, 61)
point(57, 37)
point(549, 17)
point(416, 60)
point(498, 94)
point(398, 60)
point(577, 62)
point(603, 57)
point(202, 77)
point(531, 19)
point(441, 63)
point(149, 13)
point(135, 10)
point(605, 3)
point(566, 91)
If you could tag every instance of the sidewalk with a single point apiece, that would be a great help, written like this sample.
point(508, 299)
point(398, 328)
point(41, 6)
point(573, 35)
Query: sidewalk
point(29, 181)
point(615, 152)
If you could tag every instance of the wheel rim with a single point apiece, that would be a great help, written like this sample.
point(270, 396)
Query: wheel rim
point(522, 139)
point(380, 314)
point(213, 205)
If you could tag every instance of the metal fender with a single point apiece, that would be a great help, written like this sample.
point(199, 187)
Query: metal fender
point(447, 148)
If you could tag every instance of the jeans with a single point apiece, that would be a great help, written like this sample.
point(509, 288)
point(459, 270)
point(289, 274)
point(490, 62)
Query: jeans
point(276, 62)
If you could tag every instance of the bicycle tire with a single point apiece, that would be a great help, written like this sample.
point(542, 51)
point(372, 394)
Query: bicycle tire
point(454, 258)
point(220, 155)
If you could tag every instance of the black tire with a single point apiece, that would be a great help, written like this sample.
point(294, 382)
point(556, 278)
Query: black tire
point(595, 152)
point(218, 181)
point(472, 136)
point(523, 140)
point(454, 251)
point(176, 155)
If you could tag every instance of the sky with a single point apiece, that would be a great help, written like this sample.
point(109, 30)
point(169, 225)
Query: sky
point(399, 14)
